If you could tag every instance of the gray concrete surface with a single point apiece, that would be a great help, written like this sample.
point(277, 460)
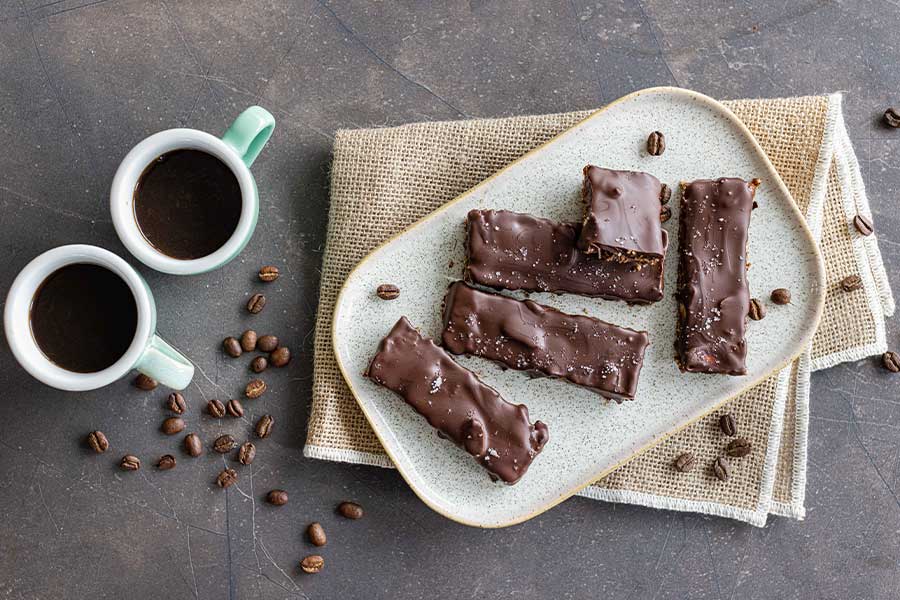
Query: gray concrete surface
point(82, 81)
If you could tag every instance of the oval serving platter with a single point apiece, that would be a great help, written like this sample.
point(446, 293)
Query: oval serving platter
point(589, 437)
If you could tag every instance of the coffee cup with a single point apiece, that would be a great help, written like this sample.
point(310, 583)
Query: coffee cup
point(184, 201)
point(79, 317)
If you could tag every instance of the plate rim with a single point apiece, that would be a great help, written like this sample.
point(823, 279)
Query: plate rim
point(807, 336)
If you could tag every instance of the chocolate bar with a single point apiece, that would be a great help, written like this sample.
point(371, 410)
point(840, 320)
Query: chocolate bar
point(621, 215)
point(515, 251)
point(527, 336)
point(713, 296)
point(456, 403)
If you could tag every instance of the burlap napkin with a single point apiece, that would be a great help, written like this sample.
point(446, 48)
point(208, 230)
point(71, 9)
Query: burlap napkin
point(383, 180)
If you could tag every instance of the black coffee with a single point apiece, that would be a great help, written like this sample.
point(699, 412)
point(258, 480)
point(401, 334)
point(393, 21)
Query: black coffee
point(187, 203)
point(83, 317)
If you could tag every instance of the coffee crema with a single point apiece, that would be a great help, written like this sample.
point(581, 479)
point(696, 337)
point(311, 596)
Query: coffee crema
point(187, 203)
point(83, 317)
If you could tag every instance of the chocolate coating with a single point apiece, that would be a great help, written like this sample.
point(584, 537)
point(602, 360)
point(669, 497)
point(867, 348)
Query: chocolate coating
point(456, 403)
point(713, 295)
point(621, 216)
point(527, 336)
point(515, 251)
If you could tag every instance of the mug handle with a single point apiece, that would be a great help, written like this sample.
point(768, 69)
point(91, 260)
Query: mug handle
point(249, 133)
point(165, 364)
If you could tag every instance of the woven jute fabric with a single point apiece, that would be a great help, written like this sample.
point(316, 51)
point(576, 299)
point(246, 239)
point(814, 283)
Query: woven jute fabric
point(383, 180)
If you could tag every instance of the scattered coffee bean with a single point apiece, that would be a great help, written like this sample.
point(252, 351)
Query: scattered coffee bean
point(226, 478)
point(665, 213)
point(193, 445)
point(656, 143)
point(722, 468)
point(388, 291)
point(248, 341)
point(757, 309)
point(232, 347)
point(312, 564)
point(277, 497)
point(98, 442)
point(738, 448)
point(215, 408)
point(130, 462)
point(255, 389)
point(224, 444)
point(727, 425)
point(351, 510)
point(281, 357)
point(256, 303)
point(246, 453)
point(264, 426)
point(851, 283)
point(267, 343)
point(316, 534)
point(165, 462)
point(863, 225)
point(685, 462)
point(268, 273)
point(235, 409)
point(781, 296)
point(259, 364)
point(665, 194)
point(172, 425)
point(142, 382)
point(892, 117)
point(891, 361)
point(175, 402)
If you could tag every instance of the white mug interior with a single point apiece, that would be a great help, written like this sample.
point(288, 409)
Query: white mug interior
point(17, 317)
point(122, 200)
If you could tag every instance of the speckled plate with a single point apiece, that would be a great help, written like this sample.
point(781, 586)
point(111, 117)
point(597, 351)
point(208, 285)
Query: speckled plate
point(588, 437)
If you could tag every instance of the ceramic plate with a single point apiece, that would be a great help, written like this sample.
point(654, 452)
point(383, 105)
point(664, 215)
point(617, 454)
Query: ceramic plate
point(588, 436)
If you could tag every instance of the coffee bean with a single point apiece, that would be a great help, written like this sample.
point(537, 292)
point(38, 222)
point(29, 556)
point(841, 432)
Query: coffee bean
point(130, 462)
point(259, 364)
point(172, 425)
point(891, 361)
point(98, 442)
point(256, 303)
point(246, 453)
point(781, 296)
point(739, 447)
point(727, 425)
point(316, 534)
point(268, 273)
point(223, 444)
point(863, 225)
point(757, 310)
point(226, 478)
point(665, 213)
point(248, 341)
point(232, 347)
point(851, 283)
point(665, 194)
point(277, 497)
point(312, 564)
point(281, 357)
point(145, 383)
point(235, 409)
point(255, 389)
point(892, 117)
point(685, 462)
point(193, 445)
point(165, 462)
point(656, 143)
point(267, 343)
point(215, 408)
point(351, 510)
point(264, 426)
point(388, 291)
point(722, 468)
point(175, 402)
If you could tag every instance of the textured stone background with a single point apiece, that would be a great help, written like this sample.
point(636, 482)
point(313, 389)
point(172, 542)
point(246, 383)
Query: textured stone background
point(83, 81)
